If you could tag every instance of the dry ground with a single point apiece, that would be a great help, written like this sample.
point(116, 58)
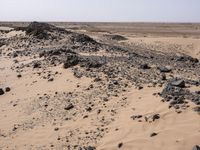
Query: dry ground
point(34, 115)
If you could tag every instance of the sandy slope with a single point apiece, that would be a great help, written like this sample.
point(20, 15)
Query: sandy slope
point(175, 131)
point(15, 104)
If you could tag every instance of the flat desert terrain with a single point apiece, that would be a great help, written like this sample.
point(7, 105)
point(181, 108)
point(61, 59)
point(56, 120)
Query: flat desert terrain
point(99, 86)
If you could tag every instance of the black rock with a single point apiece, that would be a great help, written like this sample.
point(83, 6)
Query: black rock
point(7, 89)
point(196, 147)
point(163, 77)
point(56, 129)
point(41, 54)
point(178, 83)
point(105, 99)
point(14, 128)
point(153, 134)
point(88, 109)
point(140, 87)
point(171, 91)
point(51, 79)
point(89, 148)
point(155, 117)
point(120, 145)
point(144, 66)
point(187, 58)
point(19, 75)
point(115, 82)
point(36, 65)
point(97, 79)
point(164, 69)
point(68, 107)
point(15, 54)
point(1, 91)
point(177, 100)
point(136, 117)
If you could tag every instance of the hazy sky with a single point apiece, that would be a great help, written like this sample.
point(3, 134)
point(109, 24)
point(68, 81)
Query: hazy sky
point(100, 10)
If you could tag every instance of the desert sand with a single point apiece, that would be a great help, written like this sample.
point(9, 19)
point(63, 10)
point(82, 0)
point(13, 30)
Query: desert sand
point(99, 86)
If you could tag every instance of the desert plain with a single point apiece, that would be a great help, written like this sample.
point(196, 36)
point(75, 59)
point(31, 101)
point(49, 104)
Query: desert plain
point(99, 86)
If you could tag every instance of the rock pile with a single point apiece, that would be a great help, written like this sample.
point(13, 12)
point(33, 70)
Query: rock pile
point(41, 30)
point(176, 93)
point(83, 39)
point(116, 37)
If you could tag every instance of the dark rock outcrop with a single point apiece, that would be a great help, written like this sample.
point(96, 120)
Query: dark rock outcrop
point(41, 30)
point(83, 39)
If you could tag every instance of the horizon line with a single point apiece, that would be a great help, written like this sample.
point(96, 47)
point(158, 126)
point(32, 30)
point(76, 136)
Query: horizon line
point(54, 21)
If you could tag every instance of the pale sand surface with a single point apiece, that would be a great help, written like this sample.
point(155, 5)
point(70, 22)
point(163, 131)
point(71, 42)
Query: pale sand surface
point(175, 131)
point(189, 46)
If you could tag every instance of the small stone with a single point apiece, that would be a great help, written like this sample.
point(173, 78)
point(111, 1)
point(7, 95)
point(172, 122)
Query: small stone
point(163, 77)
point(120, 145)
point(56, 129)
point(86, 116)
point(14, 105)
point(7, 89)
point(36, 65)
point(144, 66)
point(105, 99)
point(90, 148)
point(19, 75)
point(164, 69)
point(153, 134)
point(140, 88)
point(155, 117)
point(14, 128)
point(97, 79)
point(136, 117)
point(179, 83)
point(1, 91)
point(88, 109)
point(51, 79)
point(68, 107)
